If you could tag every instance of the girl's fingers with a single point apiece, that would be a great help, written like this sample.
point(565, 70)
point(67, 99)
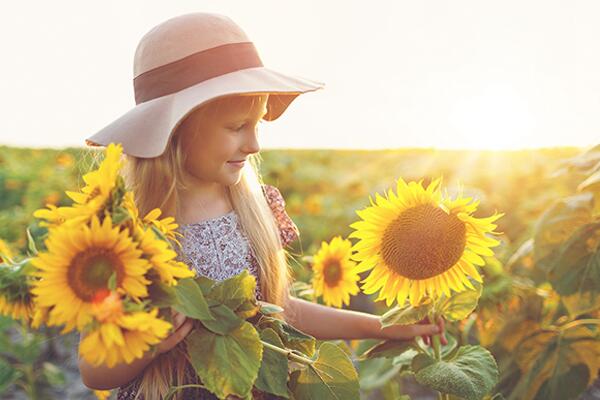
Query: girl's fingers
point(420, 330)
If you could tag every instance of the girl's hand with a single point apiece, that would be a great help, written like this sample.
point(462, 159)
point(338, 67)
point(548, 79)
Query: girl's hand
point(422, 328)
point(182, 325)
point(428, 338)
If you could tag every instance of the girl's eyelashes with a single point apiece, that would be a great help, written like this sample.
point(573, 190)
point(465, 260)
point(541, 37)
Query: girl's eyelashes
point(241, 126)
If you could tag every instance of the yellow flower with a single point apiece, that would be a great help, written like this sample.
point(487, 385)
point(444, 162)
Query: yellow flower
point(64, 160)
point(5, 249)
point(78, 265)
point(123, 338)
point(17, 310)
point(56, 216)
point(166, 226)
point(162, 258)
point(102, 394)
point(333, 275)
point(99, 183)
point(417, 243)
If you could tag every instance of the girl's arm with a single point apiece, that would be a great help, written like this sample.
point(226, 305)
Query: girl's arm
point(327, 323)
point(105, 378)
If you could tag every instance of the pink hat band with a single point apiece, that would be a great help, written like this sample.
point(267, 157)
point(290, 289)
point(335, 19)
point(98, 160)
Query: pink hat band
point(194, 69)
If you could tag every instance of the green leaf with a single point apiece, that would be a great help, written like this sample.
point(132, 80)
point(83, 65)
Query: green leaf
point(546, 355)
point(162, 295)
point(268, 308)
point(273, 373)
point(247, 309)
point(331, 376)
point(225, 320)
point(226, 364)
point(112, 281)
point(191, 301)
point(31, 243)
point(471, 374)
point(575, 269)
point(557, 224)
point(120, 215)
point(8, 375)
point(407, 314)
point(388, 349)
point(204, 283)
point(459, 305)
point(234, 291)
point(376, 372)
point(53, 374)
point(291, 337)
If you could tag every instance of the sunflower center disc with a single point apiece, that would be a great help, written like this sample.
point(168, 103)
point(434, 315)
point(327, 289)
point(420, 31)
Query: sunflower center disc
point(423, 242)
point(90, 270)
point(332, 273)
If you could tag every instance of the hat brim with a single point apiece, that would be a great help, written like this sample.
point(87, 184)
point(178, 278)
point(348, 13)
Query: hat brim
point(145, 130)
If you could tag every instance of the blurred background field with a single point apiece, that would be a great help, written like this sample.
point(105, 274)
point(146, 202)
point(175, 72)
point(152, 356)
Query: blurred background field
point(322, 190)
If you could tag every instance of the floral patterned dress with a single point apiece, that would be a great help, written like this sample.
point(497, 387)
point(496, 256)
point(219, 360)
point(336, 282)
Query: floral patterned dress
point(218, 248)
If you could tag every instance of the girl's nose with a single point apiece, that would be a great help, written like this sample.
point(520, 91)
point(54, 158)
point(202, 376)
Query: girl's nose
point(251, 145)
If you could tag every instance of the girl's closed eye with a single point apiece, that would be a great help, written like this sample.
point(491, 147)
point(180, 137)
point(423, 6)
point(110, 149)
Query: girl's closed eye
point(243, 125)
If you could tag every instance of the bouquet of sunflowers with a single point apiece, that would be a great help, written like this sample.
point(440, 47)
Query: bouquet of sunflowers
point(101, 263)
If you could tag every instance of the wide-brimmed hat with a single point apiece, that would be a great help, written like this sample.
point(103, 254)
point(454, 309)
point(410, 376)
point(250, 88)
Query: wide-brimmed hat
point(184, 62)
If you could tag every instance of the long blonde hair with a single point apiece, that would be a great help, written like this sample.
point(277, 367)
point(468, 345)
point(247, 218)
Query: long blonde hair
point(148, 178)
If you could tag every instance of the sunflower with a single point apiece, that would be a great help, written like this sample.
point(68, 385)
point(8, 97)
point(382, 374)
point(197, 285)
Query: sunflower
point(16, 300)
point(333, 276)
point(69, 216)
point(100, 182)
point(417, 243)
point(93, 196)
point(162, 258)
point(102, 394)
point(166, 226)
point(121, 337)
point(78, 265)
point(16, 309)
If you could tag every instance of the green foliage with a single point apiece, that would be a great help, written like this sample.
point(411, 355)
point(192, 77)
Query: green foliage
point(332, 376)
point(226, 363)
point(273, 373)
point(191, 301)
point(471, 373)
point(406, 314)
point(459, 305)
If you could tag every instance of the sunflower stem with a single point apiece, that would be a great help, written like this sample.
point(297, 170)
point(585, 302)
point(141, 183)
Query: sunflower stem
point(288, 353)
point(438, 353)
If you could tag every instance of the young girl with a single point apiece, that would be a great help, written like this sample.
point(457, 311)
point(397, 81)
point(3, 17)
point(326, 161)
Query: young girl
point(191, 147)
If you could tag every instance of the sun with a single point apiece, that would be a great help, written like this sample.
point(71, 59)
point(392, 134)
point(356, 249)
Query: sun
point(417, 243)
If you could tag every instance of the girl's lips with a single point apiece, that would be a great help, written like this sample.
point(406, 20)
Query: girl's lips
point(238, 164)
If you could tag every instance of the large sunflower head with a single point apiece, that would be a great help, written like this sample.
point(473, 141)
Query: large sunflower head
point(417, 242)
point(333, 275)
point(77, 266)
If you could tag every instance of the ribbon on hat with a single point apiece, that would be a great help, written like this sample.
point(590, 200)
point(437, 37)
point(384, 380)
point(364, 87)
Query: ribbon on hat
point(193, 69)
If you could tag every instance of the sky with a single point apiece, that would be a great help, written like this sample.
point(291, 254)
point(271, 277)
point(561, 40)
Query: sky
point(438, 74)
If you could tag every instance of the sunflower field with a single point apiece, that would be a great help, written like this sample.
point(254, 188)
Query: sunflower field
point(504, 245)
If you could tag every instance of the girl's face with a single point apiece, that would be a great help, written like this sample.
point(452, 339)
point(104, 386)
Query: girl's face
point(225, 133)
